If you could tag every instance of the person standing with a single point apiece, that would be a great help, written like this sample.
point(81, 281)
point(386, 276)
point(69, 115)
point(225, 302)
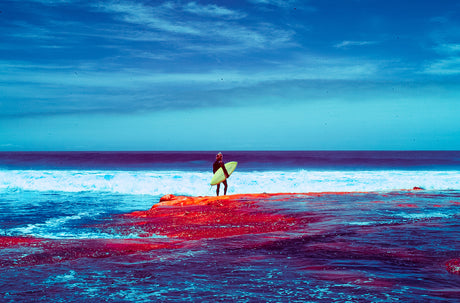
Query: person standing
point(218, 164)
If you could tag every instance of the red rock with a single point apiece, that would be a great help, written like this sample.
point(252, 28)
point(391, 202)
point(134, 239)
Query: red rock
point(453, 266)
point(213, 217)
point(167, 198)
point(7, 241)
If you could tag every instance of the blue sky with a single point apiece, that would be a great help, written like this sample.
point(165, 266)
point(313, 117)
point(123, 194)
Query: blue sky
point(229, 75)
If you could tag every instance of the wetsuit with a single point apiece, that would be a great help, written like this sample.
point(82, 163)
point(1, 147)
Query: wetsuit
point(217, 164)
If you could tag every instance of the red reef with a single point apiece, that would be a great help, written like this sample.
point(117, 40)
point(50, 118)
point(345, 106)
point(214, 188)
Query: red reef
point(212, 217)
point(13, 241)
point(453, 266)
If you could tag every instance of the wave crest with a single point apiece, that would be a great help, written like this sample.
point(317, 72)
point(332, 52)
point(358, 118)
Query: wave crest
point(197, 183)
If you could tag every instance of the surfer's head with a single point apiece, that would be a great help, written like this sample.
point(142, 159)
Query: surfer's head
point(219, 156)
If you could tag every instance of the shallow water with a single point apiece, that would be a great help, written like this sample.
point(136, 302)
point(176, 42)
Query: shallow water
point(77, 227)
point(366, 247)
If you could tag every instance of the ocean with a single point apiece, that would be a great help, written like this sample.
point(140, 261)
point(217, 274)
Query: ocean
point(302, 226)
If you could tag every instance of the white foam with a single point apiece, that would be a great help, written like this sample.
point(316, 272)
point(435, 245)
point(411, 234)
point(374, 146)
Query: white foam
point(367, 223)
point(421, 216)
point(197, 183)
point(53, 223)
point(57, 228)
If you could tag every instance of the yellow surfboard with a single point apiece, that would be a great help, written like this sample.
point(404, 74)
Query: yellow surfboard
point(219, 176)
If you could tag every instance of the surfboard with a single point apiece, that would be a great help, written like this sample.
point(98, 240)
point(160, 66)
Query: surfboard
point(219, 176)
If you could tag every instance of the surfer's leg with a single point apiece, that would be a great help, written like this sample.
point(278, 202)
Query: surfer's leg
point(218, 188)
point(225, 187)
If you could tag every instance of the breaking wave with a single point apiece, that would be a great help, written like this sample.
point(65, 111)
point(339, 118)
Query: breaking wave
point(197, 183)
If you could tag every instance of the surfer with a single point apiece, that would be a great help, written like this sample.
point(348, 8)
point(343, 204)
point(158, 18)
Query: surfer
point(218, 164)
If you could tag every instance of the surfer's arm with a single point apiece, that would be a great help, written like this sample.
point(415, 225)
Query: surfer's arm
point(224, 169)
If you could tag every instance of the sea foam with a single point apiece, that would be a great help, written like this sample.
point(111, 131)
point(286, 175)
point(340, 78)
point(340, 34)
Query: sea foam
point(197, 183)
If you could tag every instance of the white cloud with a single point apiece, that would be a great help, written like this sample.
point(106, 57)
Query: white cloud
point(190, 26)
point(152, 17)
point(279, 3)
point(53, 1)
point(210, 34)
point(87, 75)
point(26, 30)
point(447, 66)
point(449, 48)
point(241, 38)
point(347, 43)
point(440, 19)
point(284, 4)
point(56, 89)
point(212, 10)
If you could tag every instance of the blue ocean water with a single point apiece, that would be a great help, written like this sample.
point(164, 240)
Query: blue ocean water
point(248, 160)
point(76, 196)
point(188, 173)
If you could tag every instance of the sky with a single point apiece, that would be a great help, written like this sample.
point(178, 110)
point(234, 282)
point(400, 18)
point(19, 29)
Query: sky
point(229, 75)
